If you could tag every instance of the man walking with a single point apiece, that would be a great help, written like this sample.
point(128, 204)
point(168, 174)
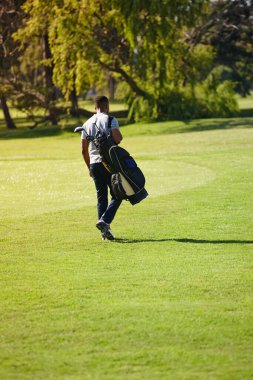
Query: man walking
point(100, 175)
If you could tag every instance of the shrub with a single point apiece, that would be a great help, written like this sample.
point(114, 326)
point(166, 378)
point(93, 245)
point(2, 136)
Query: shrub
point(208, 100)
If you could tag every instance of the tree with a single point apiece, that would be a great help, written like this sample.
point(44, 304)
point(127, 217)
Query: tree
point(8, 119)
point(228, 28)
point(135, 41)
point(10, 16)
point(26, 85)
point(145, 44)
point(39, 90)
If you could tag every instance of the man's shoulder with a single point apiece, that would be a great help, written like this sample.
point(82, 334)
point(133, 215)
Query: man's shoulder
point(88, 126)
point(102, 119)
point(91, 120)
point(114, 122)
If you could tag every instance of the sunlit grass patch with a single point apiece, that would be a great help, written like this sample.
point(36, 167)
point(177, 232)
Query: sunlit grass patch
point(171, 298)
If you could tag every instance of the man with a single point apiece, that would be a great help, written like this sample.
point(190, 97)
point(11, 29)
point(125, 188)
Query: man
point(100, 175)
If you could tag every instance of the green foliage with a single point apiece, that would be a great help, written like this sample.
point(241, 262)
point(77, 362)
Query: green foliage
point(158, 48)
point(183, 104)
point(221, 102)
point(140, 45)
point(200, 61)
point(227, 27)
point(142, 109)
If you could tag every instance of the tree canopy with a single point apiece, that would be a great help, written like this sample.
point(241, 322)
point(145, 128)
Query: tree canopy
point(168, 53)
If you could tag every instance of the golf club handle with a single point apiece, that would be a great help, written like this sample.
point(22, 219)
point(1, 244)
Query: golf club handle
point(78, 129)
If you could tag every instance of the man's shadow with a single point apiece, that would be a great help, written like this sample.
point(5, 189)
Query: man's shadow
point(185, 240)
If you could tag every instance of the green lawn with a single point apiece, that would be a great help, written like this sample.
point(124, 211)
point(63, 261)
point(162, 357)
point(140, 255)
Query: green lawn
point(245, 103)
point(170, 299)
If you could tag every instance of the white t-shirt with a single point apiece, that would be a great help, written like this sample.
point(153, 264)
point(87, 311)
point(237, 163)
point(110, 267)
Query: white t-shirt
point(101, 120)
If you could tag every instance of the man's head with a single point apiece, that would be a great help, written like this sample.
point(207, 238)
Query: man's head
point(102, 103)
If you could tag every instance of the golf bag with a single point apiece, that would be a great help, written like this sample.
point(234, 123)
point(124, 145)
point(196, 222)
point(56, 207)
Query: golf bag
point(127, 179)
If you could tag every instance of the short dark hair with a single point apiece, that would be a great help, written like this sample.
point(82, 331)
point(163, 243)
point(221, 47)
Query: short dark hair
point(101, 101)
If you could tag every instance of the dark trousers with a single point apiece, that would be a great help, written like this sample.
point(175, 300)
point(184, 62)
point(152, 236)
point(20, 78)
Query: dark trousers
point(102, 180)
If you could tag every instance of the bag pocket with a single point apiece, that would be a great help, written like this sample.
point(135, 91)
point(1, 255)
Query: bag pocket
point(117, 187)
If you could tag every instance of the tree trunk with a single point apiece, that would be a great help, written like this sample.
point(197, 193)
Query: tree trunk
point(48, 70)
point(8, 119)
point(74, 103)
point(111, 85)
point(130, 81)
point(48, 80)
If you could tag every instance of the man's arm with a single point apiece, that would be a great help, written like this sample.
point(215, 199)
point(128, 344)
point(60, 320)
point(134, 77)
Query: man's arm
point(116, 135)
point(85, 153)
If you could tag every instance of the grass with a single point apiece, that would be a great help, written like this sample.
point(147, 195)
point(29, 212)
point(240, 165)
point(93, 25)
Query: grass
point(246, 102)
point(246, 105)
point(170, 299)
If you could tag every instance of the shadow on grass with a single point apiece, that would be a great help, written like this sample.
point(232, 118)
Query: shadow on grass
point(205, 125)
point(191, 241)
point(68, 125)
point(247, 112)
point(24, 128)
point(24, 131)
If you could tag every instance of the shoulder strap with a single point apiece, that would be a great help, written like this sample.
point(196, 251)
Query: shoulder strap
point(110, 122)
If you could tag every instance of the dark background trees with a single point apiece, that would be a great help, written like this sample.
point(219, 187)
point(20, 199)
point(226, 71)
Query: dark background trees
point(10, 20)
point(228, 28)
